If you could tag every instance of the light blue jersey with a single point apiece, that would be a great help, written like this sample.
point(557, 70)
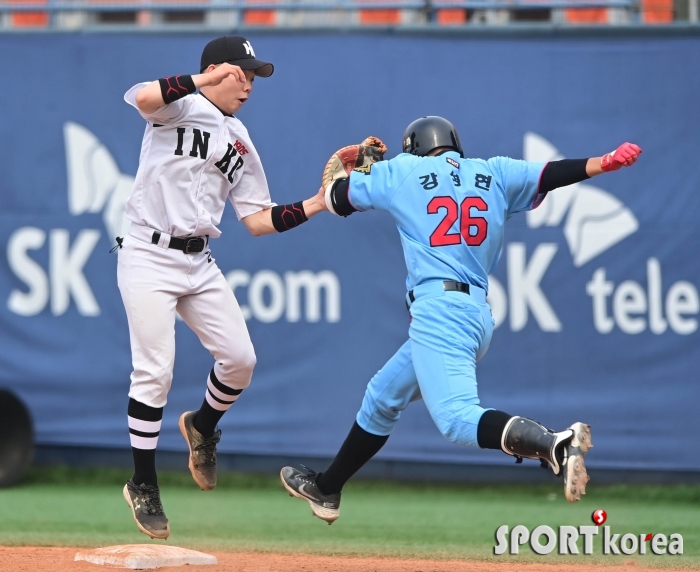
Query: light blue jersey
point(451, 214)
point(450, 211)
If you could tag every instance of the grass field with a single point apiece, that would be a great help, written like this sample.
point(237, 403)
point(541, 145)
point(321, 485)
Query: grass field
point(71, 507)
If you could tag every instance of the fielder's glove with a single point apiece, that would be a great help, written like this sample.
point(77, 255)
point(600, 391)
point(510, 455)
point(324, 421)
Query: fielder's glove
point(342, 162)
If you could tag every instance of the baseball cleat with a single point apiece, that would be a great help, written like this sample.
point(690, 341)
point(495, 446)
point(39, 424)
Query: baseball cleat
point(302, 485)
point(563, 451)
point(202, 462)
point(144, 501)
point(575, 476)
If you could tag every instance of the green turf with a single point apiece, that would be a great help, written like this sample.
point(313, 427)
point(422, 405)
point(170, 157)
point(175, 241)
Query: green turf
point(85, 508)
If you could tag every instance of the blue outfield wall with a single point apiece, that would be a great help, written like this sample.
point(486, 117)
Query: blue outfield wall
point(596, 294)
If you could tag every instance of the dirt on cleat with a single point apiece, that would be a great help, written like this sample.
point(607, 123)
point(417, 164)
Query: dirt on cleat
point(575, 475)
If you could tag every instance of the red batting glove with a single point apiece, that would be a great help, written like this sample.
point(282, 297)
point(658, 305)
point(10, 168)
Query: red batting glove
point(624, 156)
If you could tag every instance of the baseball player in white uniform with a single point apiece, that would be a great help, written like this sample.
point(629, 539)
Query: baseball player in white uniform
point(195, 155)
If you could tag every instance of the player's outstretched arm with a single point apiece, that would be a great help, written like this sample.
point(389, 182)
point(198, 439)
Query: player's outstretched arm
point(281, 218)
point(166, 90)
point(569, 171)
point(285, 217)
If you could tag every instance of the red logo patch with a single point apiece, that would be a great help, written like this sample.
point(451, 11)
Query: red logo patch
point(240, 148)
point(599, 516)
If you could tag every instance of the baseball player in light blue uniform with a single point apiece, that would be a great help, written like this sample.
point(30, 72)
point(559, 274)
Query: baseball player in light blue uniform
point(445, 203)
point(450, 213)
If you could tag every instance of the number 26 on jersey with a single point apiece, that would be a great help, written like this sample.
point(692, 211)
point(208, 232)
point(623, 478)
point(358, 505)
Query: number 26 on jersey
point(473, 229)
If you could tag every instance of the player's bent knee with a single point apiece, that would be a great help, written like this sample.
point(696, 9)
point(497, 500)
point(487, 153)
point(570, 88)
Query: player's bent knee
point(377, 420)
point(247, 361)
point(151, 395)
point(450, 430)
point(236, 378)
point(388, 415)
point(236, 370)
point(375, 424)
point(243, 355)
point(151, 387)
point(458, 429)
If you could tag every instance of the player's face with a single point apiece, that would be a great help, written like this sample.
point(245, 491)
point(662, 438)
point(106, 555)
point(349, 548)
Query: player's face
point(233, 94)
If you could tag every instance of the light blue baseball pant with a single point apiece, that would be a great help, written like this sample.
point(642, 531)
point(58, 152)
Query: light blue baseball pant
point(449, 332)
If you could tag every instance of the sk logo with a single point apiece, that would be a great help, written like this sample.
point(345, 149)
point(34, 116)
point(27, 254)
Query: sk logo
point(95, 183)
point(595, 219)
point(248, 48)
point(429, 182)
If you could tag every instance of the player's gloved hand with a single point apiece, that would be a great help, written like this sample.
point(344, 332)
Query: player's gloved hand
point(624, 156)
point(342, 162)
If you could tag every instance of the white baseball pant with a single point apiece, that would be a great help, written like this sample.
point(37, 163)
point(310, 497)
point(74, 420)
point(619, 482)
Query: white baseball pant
point(156, 282)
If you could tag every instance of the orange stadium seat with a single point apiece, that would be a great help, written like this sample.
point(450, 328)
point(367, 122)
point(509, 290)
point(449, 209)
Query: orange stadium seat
point(451, 16)
point(260, 17)
point(657, 11)
point(29, 19)
point(381, 17)
point(390, 16)
point(587, 15)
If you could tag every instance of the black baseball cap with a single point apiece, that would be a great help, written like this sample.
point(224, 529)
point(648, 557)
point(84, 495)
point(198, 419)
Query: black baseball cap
point(234, 50)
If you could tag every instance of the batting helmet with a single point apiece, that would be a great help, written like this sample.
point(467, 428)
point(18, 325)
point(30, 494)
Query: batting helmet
point(428, 133)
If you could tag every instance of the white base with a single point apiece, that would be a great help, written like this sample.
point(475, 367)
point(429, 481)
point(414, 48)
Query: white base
point(144, 556)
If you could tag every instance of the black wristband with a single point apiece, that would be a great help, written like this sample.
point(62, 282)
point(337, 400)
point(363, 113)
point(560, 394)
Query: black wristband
point(285, 217)
point(339, 198)
point(176, 87)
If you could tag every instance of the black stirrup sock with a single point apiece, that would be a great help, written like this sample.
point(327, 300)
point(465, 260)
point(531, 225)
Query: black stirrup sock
point(217, 400)
point(144, 429)
point(358, 448)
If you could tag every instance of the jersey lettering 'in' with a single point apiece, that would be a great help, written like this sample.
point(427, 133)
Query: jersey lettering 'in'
point(223, 164)
point(200, 142)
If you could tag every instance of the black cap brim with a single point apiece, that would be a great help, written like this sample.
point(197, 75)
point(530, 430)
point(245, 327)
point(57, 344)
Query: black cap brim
point(262, 69)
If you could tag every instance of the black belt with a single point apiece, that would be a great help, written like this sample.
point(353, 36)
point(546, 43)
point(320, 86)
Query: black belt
point(449, 286)
point(190, 245)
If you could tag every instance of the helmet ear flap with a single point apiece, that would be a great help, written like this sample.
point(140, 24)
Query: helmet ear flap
point(409, 143)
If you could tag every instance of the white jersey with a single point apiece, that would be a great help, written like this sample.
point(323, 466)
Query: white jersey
point(193, 158)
